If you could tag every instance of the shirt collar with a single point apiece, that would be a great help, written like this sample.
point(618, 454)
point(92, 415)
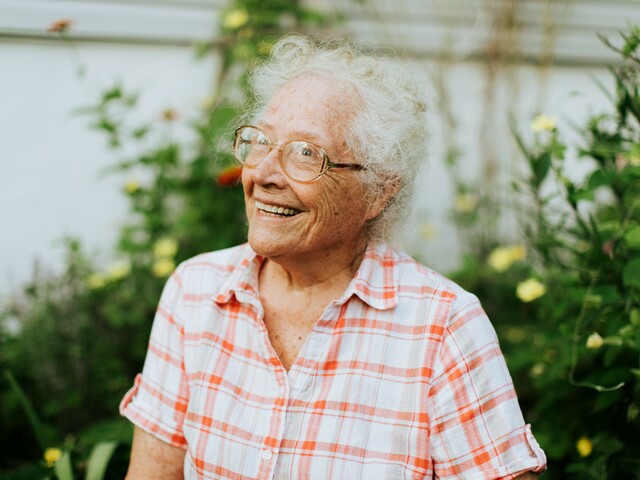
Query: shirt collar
point(375, 281)
point(243, 280)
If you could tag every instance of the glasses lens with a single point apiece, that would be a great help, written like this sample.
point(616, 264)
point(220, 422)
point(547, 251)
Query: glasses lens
point(302, 161)
point(251, 146)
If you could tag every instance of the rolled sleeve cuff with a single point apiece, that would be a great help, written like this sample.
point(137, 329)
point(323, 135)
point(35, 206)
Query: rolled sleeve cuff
point(535, 462)
point(149, 419)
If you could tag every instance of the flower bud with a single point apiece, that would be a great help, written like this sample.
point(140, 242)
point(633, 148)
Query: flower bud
point(595, 341)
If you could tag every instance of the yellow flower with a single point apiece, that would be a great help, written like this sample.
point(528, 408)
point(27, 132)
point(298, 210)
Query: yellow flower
point(595, 341)
point(131, 186)
point(428, 231)
point(235, 19)
point(543, 123)
point(118, 271)
point(163, 267)
point(165, 247)
point(96, 281)
point(51, 456)
point(466, 202)
point(530, 290)
point(584, 446)
point(515, 334)
point(502, 258)
point(537, 370)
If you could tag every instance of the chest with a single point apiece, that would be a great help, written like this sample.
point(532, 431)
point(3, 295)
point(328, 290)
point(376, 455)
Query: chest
point(351, 406)
point(288, 326)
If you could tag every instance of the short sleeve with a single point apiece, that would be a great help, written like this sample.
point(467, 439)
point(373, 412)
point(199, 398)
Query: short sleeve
point(476, 427)
point(158, 400)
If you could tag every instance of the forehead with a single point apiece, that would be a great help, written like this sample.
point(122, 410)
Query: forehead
point(312, 106)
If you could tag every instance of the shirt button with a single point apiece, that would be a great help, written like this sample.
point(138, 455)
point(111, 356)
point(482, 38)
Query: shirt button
point(266, 454)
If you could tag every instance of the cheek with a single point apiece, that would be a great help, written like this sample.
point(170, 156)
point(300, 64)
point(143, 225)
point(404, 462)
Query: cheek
point(341, 209)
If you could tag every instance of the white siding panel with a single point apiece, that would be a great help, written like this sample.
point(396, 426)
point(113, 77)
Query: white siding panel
point(465, 28)
point(134, 21)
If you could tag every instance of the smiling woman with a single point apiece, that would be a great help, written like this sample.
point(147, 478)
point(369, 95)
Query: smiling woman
point(317, 350)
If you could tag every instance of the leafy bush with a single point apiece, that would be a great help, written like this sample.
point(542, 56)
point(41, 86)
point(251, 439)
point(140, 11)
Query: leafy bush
point(567, 308)
point(81, 336)
point(569, 319)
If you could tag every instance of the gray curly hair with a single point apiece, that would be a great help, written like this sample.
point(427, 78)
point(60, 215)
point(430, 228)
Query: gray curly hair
point(388, 135)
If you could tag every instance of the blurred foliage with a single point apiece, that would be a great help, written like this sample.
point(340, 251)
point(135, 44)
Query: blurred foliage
point(566, 308)
point(71, 344)
point(569, 317)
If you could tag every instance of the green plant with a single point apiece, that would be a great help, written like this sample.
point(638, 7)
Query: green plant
point(572, 339)
point(81, 335)
point(94, 456)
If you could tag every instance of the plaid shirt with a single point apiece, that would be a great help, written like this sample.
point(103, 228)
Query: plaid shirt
point(401, 378)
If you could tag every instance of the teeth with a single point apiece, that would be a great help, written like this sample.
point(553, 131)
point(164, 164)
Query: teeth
point(276, 210)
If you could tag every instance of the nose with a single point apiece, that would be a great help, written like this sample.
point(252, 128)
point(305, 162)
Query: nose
point(269, 170)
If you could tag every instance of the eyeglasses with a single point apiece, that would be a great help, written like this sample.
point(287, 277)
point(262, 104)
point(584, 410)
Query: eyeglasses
point(300, 161)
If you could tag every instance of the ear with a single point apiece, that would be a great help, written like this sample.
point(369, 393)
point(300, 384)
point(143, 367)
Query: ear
point(377, 205)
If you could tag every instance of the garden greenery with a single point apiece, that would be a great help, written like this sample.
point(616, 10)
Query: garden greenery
point(82, 335)
point(566, 306)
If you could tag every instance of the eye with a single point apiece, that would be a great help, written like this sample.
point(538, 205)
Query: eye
point(261, 139)
point(306, 151)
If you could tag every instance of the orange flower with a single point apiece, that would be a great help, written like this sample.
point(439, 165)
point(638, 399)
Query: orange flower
point(60, 26)
point(169, 115)
point(608, 248)
point(230, 176)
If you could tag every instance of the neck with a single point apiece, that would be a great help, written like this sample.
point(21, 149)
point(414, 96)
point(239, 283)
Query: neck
point(329, 271)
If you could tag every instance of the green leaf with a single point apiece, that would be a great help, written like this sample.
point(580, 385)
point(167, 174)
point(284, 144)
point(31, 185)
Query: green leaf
point(631, 273)
point(140, 132)
point(632, 237)
point(608, 293)
point(113, 94)
point(598, 179)
point(610, 356)
point(99, 460)
point(581, 194)
point(540, 166)
point(63, 468)
point(26, 405)
point(557, 149)
point(610, 446)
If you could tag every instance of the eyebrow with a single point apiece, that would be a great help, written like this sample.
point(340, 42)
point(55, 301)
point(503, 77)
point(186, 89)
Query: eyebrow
point(297, 133)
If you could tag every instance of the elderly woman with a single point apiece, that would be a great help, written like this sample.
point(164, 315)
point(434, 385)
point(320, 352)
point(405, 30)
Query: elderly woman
point(317, 351)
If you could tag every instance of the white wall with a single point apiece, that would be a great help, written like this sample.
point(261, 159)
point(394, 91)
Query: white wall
point(570, 93)
point(51, 163)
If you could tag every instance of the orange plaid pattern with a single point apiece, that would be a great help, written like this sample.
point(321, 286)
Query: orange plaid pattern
point(401, 378)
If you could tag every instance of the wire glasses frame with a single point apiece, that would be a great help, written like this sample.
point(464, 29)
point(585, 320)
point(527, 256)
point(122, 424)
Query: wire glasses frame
point(300, 160)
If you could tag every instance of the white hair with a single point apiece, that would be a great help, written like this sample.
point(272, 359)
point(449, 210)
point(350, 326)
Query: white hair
point(388, 134)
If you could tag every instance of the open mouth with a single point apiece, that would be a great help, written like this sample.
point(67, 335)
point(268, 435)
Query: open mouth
point(276, 211)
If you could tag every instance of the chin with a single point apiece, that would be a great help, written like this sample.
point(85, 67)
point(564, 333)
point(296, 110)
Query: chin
point(264, 247)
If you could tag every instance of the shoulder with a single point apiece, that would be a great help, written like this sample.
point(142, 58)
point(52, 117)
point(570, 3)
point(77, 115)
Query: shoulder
point(416, 280)
point(209, 271)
